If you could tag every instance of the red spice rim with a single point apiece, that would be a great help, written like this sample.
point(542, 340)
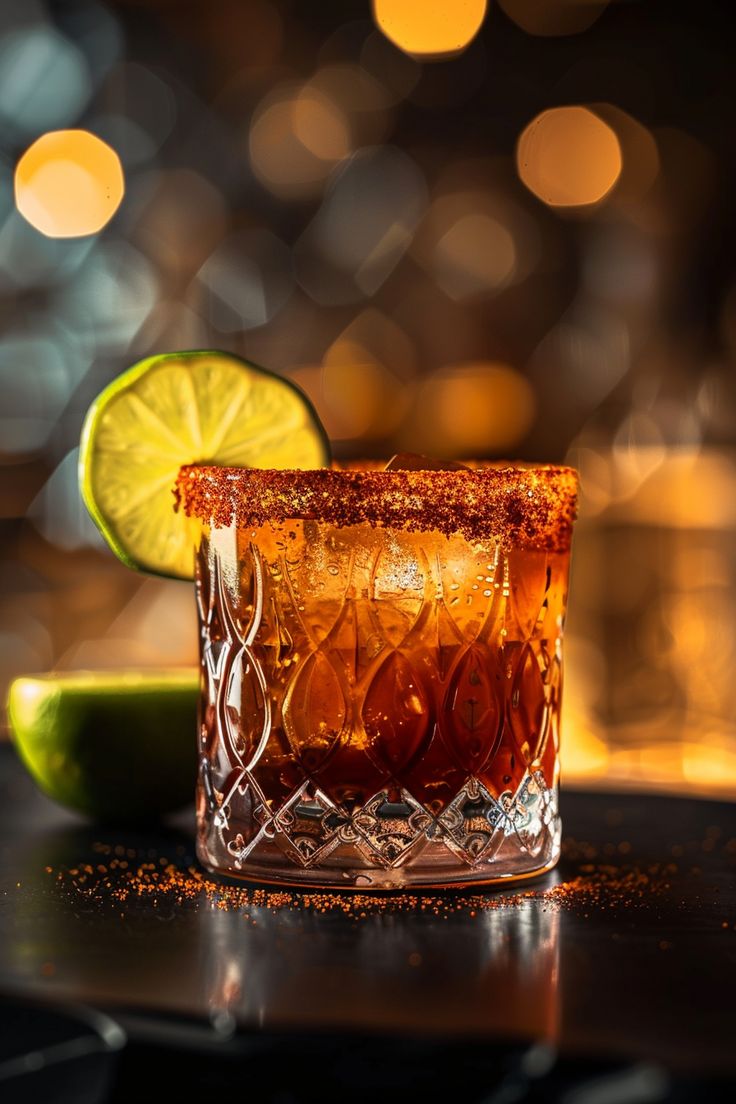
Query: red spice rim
point(521, 506)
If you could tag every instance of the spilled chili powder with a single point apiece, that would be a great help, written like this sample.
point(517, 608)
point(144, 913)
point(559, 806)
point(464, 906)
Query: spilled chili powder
point(123, 879)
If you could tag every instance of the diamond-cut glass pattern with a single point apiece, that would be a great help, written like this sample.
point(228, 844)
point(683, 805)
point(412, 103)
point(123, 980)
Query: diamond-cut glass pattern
point(390, 829)
point(377, 701)
point(473, 823)
point(310, 826)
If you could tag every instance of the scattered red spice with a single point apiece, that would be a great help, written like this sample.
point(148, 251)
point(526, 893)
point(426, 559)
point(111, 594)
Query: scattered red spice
point(595, 886)
point(532, 507)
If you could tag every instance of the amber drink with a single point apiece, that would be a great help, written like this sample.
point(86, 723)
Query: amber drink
point(381, 672)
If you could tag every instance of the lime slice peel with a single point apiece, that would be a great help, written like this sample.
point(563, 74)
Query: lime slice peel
point(176, 409)
point(114, 745)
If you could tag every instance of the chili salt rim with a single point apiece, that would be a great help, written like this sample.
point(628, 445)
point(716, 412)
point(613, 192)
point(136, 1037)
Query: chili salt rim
point(523, 507)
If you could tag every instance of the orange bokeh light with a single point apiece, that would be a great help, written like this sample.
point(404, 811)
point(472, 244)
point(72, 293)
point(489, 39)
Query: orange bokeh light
point(569, 157)
point(69, 184)
point(430, 28)
point(364, 386)
point(473, 409)
point(296, 137)
point(475, 255)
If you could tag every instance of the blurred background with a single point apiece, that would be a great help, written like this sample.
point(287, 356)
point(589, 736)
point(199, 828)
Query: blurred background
point(494, 229)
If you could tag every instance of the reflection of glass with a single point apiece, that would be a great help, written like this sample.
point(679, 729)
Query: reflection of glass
point(493, 972)
point(381, 656)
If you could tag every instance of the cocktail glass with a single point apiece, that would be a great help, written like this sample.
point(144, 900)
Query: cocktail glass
point(381, 672)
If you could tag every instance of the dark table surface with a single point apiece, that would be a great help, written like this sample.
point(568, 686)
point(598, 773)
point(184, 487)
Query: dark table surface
point(627, 950)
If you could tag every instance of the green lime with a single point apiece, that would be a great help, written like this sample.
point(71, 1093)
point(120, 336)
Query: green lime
point(184, 408)
point(114, 745)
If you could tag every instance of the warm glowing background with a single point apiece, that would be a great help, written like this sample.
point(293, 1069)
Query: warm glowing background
point(463, 228)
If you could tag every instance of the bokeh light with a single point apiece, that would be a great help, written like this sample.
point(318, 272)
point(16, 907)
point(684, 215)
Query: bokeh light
point(587, 353)
point(363, 388)
point(639, 152)
point(430, 28)
point(352, 87)
point(58, 513)
point(551, 18)
point(365, 224)
point(476, 254)
point(363, 100)
point(476, 241)
point(183, 218)
point(620, 265)
point(397, 72)
point(31, 260)
point(569, 157)
point(109, 298)
point(69, 183)
point(137, 112)
point(172, 325)
point(319, 127)
point(35, 387)
point(246, 281)
point(153, 628)
point(367, 374)
point(44, 80)
point(296, 137)
point(473, 409)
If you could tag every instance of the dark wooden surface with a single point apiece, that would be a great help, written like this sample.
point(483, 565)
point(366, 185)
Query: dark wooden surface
point(628, 950)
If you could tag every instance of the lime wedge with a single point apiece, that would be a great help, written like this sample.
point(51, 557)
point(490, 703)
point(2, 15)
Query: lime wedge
point(113, 745)
point(184, 408)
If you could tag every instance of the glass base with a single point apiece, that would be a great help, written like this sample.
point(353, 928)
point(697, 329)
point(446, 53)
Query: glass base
point(392, 842)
